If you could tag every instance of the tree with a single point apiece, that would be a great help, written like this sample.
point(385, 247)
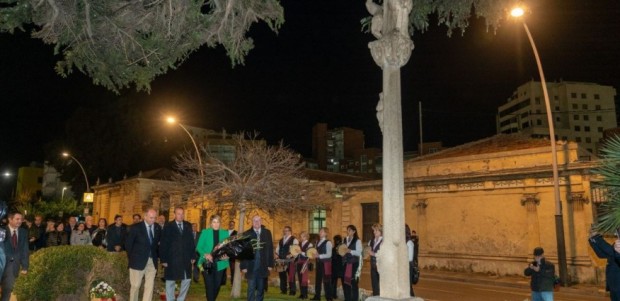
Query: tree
point(260, 176)
point(119, 43)
point(609, 219)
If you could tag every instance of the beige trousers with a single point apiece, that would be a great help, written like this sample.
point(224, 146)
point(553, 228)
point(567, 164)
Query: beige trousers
point(135, 278)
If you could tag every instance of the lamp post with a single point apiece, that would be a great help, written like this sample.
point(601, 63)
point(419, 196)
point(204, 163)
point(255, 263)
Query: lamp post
point(62, 197)
point(65, 154)
point(173, 120)
point(559, 222)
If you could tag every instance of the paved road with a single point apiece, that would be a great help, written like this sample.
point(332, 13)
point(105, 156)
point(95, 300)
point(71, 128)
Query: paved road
point(440, 290)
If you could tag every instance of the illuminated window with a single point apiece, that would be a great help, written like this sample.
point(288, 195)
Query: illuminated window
point(317, 220)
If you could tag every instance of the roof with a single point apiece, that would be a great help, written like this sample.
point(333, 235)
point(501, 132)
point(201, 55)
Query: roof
point(154, 174)
point(494, 144)
point(334, 177)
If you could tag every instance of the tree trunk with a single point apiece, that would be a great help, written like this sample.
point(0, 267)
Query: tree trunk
point(235, 292)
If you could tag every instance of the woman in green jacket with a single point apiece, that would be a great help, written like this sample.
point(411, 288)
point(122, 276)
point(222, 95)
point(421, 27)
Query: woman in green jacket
point(210, 239)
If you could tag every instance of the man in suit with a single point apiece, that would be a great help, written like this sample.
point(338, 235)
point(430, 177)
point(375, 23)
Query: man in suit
point(142, 246)
point(16, 253)
point(196, 236)
point(231, 232)
point(177, 250)
point(256, 270)
point(116, 235)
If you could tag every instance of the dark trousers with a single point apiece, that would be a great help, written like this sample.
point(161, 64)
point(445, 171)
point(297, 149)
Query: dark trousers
point(614, 295)
point(351, 292)
point(213, 282)
point(303, 287)
point(256, 288)
point(335, 278)
point(322, 279)
point(232, 272)
point(284, 283)
point(374, 280)
point(11, 272)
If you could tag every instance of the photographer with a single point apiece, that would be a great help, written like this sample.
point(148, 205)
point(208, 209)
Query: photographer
point(543, 276)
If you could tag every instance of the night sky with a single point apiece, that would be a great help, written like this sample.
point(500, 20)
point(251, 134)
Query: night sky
point(318, 69)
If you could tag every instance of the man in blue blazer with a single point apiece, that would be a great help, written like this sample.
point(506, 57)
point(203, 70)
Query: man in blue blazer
point(256, 270)
point(16, 253)
point(142, 247)
point(611, 252)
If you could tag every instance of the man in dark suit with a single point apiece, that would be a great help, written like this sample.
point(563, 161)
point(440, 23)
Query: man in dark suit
point(256, 270)
point(178, 254)
point(116, 235)
point(142, 247)
point(231, 232)
point(16, 253)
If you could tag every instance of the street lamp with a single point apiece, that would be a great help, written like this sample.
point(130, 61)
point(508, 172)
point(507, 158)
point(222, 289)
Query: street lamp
point(518, 12)
point(62, 197)
point(65, 154)
point(172, 120)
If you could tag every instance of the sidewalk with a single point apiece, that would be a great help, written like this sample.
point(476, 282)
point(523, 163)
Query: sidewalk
point(507, 281)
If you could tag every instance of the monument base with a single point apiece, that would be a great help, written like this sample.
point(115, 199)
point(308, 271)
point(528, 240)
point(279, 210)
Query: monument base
point(378, 298)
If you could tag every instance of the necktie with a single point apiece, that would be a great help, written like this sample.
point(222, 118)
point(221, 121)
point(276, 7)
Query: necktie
point(14, 239)
point(257, 235)
point(180, 227)
point(151, 234)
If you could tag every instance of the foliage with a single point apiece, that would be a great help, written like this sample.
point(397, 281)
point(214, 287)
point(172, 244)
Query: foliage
point(53, 208)
point(119, 43)
point(454, 14)
point(64, 271)
point(609, 219)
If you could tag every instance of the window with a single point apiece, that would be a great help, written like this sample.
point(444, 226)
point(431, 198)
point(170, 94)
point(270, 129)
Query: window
point(538, 122)
point(590, 150)
point(600, 129)
point(598, 107)
point(558, 119)
point(538, 112)
point(599, 118)
point(583, 96)
point(596, 96)
point(586, 117)
point(575, 106)
point(537, 100)
point(584, 106)
point(588, 140)
point(586, 128)
point(564, 138)
point(578, 139)
point(557, 108)
point(317, 220)
point(575, 117)
point(555, 97)
point(577, 128)
point(573, 95)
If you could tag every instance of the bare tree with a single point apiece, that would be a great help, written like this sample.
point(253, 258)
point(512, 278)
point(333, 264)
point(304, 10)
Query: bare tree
point(269, 178)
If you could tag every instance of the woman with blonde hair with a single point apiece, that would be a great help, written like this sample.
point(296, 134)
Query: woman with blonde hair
point(209, 241)
point(374, 245)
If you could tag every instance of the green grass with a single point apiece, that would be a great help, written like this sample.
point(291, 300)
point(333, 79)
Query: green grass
point(197, 292)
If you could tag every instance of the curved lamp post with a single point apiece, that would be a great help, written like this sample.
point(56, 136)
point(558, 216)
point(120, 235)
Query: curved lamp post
point(65, 154)
point(518, 12)
point(172, 120)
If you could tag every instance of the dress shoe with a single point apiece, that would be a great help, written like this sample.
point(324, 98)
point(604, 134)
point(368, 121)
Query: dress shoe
point(292, 293)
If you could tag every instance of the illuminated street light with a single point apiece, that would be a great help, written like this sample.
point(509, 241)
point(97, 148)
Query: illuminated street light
point(65, 154)
point(173, 120)
point(63, 193)
point(559, 222)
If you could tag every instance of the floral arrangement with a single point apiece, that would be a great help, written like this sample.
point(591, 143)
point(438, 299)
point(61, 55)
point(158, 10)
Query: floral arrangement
point(102, 290)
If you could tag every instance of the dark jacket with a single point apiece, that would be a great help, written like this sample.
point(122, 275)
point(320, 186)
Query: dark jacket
point(57, 238)
point(612, 270)
point(20, 254)
point(542, 281)
point(139, 248)
point(115, 237)
point(177, 250)
point(266, 254)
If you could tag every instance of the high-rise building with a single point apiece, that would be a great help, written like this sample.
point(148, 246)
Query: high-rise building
point(342, 150)
point(581, 112)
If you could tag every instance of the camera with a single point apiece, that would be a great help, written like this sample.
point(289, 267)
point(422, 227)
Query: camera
point(534, 263)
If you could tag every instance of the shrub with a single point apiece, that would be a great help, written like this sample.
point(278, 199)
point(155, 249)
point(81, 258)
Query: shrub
point(68, 272)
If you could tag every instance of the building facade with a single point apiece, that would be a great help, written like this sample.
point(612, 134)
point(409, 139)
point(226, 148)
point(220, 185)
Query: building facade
point(484, 206)
point(581, 112)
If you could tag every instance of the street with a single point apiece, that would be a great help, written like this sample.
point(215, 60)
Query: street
point(440, 290)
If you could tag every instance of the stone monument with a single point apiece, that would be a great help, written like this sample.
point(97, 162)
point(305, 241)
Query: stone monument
point(391, 51)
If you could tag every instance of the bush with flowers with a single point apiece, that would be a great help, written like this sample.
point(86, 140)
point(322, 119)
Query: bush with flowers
point(102, 290)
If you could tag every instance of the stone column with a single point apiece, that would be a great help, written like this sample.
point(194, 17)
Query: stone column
point(530, 202)
point(581, 228)
point(391, 51)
